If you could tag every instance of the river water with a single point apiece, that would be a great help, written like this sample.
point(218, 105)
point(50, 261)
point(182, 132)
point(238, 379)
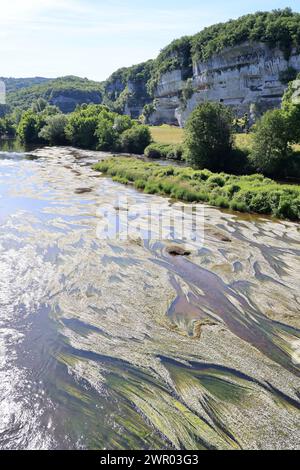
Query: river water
point(116, 344)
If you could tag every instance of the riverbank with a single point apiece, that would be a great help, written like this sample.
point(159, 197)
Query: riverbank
point(252, 194)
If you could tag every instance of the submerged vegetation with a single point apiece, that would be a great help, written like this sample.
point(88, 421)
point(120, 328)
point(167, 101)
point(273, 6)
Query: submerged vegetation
point(252, 193)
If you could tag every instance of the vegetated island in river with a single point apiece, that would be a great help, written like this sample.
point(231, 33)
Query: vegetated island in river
point(250, 193)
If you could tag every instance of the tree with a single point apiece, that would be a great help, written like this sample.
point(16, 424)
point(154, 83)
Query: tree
point(82, 125)
point(291, 109)
point(7, 127)
point(271, 147)
point(54, 130)
point(107, 135)
point(2, 127)
point(208, 136)
point(30, 127)
point(122, 123)
point(39, 105)
point(136, 139)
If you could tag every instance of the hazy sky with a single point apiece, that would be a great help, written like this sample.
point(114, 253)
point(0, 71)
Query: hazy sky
point(92, 38)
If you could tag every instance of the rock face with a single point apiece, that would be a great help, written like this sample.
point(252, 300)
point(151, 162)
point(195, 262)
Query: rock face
point(296, 91)
point(67, 100)
point(167, 98)
point(246, 77)
point(126, 90)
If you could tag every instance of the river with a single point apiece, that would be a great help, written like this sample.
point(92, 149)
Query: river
point(116, 344)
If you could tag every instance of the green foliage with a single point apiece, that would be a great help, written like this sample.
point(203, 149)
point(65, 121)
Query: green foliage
point(271, 147)
point(54, 130)
point(187, 92)
point(276, 28)
point(75, 90)
point(106, 134)
point(89, 126)
point(208, 138)
point(291, 109)
point(82, 125)
point(164, 151)
point(4, 110)
point(15, 84)
point(252, 193)
point(7, 127)
point(30, 127)
point(136, 139)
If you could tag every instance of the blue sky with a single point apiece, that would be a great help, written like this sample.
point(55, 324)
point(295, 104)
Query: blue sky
point(92, 38)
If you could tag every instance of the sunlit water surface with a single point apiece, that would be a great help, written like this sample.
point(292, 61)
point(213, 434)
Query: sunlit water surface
point(117, 344)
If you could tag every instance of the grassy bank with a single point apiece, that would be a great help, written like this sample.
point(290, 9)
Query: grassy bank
point(252, 193)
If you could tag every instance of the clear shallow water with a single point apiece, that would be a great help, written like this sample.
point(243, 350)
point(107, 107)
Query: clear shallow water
point(119, 345)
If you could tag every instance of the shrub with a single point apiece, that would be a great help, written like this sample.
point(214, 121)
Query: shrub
point(233, 189)
point(54, 130)
point(216, 180)
point(136, 139)
point(82, 125)
point(164, 151)
point(208, 141)
point(157, 151)
point(30, 127)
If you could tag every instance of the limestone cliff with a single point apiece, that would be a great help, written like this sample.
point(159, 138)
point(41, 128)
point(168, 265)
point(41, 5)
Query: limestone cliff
point(248, 78)
point(245, 64)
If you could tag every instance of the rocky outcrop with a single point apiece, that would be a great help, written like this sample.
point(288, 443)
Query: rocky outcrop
point(126, 90)
point(167, 98)
point(67, 100)
point(248, 78)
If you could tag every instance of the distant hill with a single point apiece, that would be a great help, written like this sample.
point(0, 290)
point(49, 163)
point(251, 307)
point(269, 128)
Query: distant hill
point(14, 84)
point(65, 92)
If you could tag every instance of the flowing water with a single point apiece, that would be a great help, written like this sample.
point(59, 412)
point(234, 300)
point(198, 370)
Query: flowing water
point(108, 344)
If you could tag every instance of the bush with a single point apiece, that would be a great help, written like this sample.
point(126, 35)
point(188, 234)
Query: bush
point(216, 180)
point(208, 141)
point(30, 127)
point(54, 130)
point(82, 125)
point(271, 149)
point(164, 151)
point(7, 127)
point(136, 139)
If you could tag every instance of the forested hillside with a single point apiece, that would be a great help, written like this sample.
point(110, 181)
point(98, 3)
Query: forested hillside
point(65, 93)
